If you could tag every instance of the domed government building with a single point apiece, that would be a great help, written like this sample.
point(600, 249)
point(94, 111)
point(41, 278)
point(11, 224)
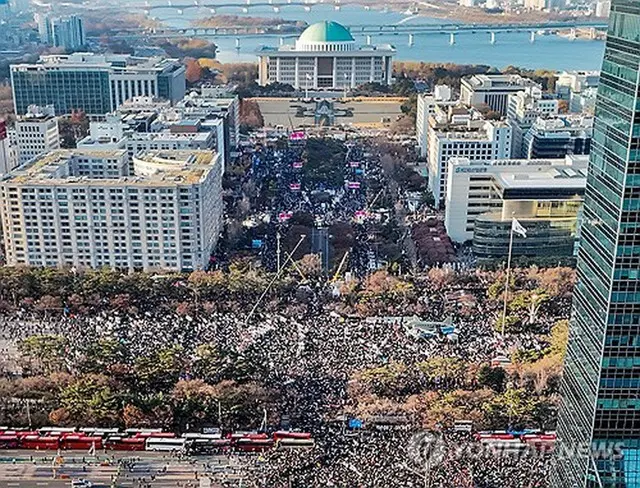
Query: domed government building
point(325, 56)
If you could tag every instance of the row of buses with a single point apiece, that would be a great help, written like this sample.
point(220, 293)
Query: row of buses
point(517, 440)
point(92, 439)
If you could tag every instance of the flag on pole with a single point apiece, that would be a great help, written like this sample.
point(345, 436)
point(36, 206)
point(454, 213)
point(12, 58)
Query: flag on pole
point(517, 228)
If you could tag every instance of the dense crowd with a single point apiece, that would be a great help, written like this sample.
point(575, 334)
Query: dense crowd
point(310, 346)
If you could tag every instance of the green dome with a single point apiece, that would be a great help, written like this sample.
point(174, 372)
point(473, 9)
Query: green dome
point(326, 32)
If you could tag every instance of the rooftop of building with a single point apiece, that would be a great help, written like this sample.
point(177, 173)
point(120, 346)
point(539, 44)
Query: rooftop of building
point(161, 168)
point(289, 48)
point(569, 172)
point(325, 38)
point(563, 123)
point(100, 61)
point(497, 81)
point(326, 31)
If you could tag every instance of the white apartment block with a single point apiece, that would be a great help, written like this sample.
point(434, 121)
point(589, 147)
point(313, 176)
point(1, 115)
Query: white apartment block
point(492, 90)
point(427, 102)
point(458, 134)
point(478, 187)
point(36, 133)
point(81, 208)
point(524, 108)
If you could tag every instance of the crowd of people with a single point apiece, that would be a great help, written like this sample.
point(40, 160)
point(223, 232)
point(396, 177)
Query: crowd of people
point(309, 346)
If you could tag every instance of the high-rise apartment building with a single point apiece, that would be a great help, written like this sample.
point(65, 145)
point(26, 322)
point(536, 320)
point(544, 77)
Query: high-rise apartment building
point(36, 133)
point(64, 32)
point(83, 208)
point(67, 33)
point(599, 418)
point(94, 83)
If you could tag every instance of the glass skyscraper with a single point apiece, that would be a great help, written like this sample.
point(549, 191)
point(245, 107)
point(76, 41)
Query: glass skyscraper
point(599, 421)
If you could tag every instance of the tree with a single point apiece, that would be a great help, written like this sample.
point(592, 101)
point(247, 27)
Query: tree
point(513, 408)
point(102, 355)
point(493, 378)
point(393, 380)
point(91, 400)
point(194, 404)
point(72, 129)
point(559, 338)
point(250, 114)
point(193, 70)
point(160, 370)
point(49, 303)
point(444, 372)
point(310, 265)
point(43, 353)
point(208, 363)
point(242, 404)
point(529, 300)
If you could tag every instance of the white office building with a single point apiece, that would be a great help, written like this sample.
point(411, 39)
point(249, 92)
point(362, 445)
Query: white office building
point(82, 208)
point(461, 132)
point(36, 133)
point(471, 186)
point(524, 108)
point(427, 102)
point(492, 90)
point(325, 56)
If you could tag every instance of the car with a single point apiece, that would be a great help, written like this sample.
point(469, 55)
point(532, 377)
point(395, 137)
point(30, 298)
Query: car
point(81, 483)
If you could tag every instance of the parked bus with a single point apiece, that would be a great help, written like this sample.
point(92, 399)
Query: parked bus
point(10, 441)
point(246, 444)
point(289, 443)
point(40, 443)
point(284, 434)
point(114, 443)
point(165, 444)
point(80, 442)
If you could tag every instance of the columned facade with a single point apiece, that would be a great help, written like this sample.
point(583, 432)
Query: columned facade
point(326, 57)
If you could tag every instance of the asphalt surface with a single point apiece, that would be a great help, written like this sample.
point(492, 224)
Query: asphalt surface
point(22, 469)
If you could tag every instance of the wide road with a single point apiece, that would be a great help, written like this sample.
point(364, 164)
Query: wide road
point(23, 469)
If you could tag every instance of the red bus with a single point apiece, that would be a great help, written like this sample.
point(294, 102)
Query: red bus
point(81, 442)
point(155, 435)
point(253, 445)
point(235, 436)
point(283, 434)
point(125, 444)
point(40, 443)
point(9, 441)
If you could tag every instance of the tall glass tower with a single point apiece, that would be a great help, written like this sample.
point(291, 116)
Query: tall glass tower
point(599, 422)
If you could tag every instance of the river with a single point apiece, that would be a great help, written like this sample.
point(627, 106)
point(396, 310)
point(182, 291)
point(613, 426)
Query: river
point(550, 51)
